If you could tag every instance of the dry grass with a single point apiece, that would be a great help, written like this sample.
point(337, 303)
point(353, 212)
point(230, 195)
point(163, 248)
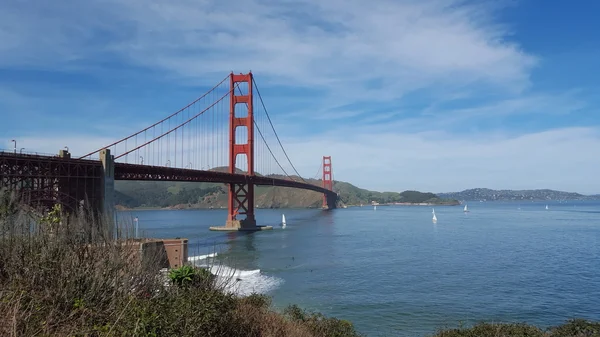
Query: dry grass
point(266, 323)
point(60, 276)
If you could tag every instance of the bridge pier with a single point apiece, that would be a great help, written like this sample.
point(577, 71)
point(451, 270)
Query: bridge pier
point(107, 192)
point(79, 186)
point(241, 225)
point(330, 201)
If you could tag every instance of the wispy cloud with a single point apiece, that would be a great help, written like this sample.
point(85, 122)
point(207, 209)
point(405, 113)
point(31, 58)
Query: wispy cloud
point(340, 46)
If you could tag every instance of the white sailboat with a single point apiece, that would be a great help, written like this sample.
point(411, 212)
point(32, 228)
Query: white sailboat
point(375, 207)
point(546, 207)
point(283, 220)
point(466, 209)
point(434, 217)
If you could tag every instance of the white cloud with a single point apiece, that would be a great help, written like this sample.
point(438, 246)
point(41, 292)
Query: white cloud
point(334, 45)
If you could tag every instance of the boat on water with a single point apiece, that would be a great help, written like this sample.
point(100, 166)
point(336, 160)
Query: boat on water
point(546, 207)
point(283, 224)
point(466, 209)
point(434, 217)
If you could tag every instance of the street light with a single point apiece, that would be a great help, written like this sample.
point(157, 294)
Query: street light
point(142, 158)
point(21, 150)
point(67, 148)
point(14, 141)
point(135, 220)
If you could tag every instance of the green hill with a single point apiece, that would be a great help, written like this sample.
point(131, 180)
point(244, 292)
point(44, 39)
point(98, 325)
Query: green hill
point(352, 195)
point(487, 194)
point(134, 194)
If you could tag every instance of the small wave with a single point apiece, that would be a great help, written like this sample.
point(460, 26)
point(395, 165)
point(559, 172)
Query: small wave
point(243, 282)
point(201, 257)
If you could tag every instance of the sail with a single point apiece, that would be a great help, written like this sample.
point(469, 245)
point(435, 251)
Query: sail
point(283, 220)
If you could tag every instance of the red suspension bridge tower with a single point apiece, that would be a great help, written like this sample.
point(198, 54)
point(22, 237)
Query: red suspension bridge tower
point(327, 178)
point(241, 195)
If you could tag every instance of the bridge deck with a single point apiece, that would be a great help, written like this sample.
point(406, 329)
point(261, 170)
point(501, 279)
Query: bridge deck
point(14, 167)
point(158, 173)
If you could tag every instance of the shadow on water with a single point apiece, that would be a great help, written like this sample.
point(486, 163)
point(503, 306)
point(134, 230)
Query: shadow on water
point(328, 215)
point(240, 250)
point(247, 239)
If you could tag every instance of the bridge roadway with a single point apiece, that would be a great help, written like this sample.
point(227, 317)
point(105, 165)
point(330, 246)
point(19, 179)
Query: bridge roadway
point(14, 167)
point(159, 173)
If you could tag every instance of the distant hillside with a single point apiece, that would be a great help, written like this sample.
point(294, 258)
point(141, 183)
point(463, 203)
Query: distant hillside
point(487, 194)
point(352, 195)
point(134, 194)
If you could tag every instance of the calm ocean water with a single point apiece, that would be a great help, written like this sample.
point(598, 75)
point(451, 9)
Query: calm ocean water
point(392, 271)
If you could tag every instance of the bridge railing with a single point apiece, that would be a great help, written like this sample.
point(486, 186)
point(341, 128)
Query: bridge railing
point(13, 151)
point(32, 154)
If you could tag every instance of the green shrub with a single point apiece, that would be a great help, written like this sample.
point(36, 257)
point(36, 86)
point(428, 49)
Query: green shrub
point(573, 328)
point(182, 276)
point(319, 324)
point(493, 329)
point(576, 328)
point(188, 276)
point(257, 300)
point(181, 312)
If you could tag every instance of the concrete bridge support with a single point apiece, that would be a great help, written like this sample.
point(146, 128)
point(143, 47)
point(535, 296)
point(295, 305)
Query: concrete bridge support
point(107, 191)
point(331, 200)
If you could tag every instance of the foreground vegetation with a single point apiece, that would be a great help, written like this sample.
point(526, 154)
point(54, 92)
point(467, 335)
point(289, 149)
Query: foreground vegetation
point(573, 328)
point(63, 277)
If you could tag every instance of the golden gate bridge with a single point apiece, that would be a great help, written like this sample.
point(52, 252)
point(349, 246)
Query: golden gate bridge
point(224, 136)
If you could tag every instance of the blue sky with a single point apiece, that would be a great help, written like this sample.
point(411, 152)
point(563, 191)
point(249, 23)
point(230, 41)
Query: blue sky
point(437, 95)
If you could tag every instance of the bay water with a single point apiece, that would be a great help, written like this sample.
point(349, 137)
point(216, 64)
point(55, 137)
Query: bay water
point(393, 272)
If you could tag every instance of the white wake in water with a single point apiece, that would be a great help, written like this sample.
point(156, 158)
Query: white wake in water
point(239, 282)
point(201, 257)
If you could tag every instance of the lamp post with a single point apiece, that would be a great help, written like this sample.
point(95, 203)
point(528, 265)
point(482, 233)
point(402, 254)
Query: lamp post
point(67, 148)
point(21, 150)
point(135, 220)
point(15, 145)
point(142, 158)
